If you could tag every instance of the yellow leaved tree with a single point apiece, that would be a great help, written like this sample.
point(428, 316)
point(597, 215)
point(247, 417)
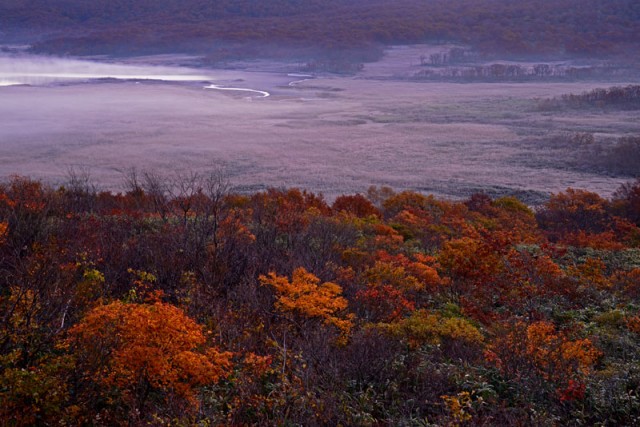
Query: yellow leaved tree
point(305, 297)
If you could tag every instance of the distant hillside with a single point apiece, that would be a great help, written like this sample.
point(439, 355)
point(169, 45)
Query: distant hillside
point(119, 26)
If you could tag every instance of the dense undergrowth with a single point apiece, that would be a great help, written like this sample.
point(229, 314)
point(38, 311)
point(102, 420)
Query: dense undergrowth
point(190, 305)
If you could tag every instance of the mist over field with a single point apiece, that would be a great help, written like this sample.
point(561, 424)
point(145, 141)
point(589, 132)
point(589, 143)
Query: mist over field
point(34, 70)
point(329, 95)
point(333, 134)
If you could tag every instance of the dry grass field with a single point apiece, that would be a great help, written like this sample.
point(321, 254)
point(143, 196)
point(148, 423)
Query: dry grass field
point(330, 134)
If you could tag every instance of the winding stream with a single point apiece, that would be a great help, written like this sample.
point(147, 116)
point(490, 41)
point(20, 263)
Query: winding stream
point(33, 70)
point(262, 93)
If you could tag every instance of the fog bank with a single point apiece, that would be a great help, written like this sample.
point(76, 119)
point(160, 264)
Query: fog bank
point(23, 69)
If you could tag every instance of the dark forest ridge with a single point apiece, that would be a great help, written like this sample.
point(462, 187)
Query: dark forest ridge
point(133, 26)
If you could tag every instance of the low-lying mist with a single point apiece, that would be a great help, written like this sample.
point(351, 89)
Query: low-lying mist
point(327, 133)
point(24, 69)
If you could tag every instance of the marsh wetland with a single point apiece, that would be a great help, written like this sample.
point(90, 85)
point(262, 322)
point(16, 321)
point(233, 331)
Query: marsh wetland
point(323, 132)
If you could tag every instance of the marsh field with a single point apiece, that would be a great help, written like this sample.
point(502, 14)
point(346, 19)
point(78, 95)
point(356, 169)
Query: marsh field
point(325, 133)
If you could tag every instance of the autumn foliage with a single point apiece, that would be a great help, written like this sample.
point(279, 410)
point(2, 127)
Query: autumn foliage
point(131, 351)
point(305, 297)
point(193, 305)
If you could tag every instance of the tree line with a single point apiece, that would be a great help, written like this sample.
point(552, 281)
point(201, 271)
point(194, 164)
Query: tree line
point(135, 26)
point(616, 97)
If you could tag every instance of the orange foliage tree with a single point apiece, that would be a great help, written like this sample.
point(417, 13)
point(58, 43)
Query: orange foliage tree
point(305, 297)
point(356, 205)
point(540, 350)
point(132, 352)
point(572, 211)
point(395, 283)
